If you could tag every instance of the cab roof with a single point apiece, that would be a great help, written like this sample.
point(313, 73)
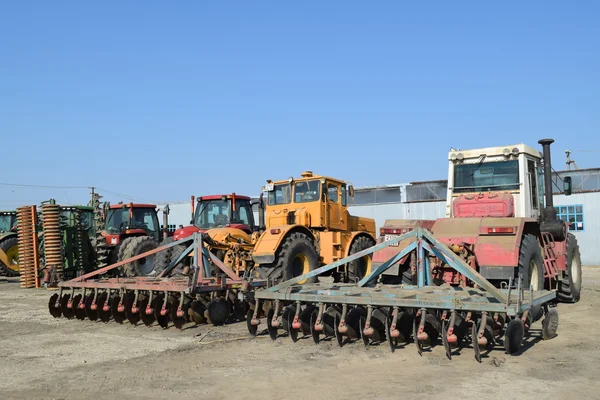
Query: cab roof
point(131, 205)
point(495, 151)
point(219, 196)
point(308, 176)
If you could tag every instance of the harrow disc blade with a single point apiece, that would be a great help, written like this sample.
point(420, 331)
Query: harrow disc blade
point(147, 319)
point(252, 329)
point(177, 320)
point(315, 333)
point(272, 329)
point(64, 306)
point(416, 337)
point(54, 309)
point(353, 322)
point(339, 336)
point(118, 315)
point(378, 324)
point(197, 310)
point(79, 311)
point(104, 301)
point(287, 319)
point(163, 320)
point(445, 325)
point(91, 313)
point(218, 311)
point(133, 315)
point(304, 317)
point(329, 319)
point(475, 343)
point(392, 341)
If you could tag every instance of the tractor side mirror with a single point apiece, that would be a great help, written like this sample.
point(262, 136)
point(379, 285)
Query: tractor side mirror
point(351, 191)
point(567, 189)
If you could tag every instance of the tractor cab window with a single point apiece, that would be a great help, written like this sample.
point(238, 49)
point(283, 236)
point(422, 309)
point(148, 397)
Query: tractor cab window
point(281, 194)
point(344, 198)
point(307, 191)
point(117, 220)
point(531, 171)
point(212, 214)
point(5, 223)
point(486, 177)
point(332, 193)
point(144, 218)
point(243, 214)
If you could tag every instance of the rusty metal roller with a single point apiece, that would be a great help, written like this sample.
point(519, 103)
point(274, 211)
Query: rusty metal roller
point(52, 237)
point(27, 242)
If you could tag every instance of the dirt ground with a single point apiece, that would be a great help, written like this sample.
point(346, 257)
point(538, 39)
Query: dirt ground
point(46, 358)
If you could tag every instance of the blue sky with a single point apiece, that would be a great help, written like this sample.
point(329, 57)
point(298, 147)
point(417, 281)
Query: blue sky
point(160, 101)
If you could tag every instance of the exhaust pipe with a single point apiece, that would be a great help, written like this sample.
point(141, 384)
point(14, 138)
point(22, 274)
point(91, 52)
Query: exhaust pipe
point(261, 212)
point(550, 223)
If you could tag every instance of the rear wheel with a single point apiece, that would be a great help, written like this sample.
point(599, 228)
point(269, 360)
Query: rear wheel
point(10, 247)
point(569, 287)
point(296, 256)
point(361, 267)
point(134, 246)
point(531, 268)
point(163, 257)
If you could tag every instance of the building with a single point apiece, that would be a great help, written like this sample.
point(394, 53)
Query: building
point(427, 200)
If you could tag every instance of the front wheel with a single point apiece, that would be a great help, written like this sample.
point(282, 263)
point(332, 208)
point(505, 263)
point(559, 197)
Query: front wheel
point(134, 246)
point(10, 247)
point(296, 256)
point(361, 267)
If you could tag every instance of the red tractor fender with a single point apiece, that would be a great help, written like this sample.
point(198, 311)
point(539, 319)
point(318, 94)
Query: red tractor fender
point(185, 232)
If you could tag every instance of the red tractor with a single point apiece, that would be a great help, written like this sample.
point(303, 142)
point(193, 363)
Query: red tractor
point(129, 229)
point(229, 221)
point(498, 223)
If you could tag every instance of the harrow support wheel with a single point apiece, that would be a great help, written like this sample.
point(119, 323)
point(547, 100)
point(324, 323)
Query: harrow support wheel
point(513, 336)
point(117, 309)
point(53, 307)
point(104, 307)
point(64, 303)
point(219, 311)
point(550, 324)
point(77, 309)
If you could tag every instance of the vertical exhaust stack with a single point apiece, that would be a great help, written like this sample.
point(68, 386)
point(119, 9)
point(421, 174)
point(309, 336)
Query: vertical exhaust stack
point(261, 212)
point(550, 223)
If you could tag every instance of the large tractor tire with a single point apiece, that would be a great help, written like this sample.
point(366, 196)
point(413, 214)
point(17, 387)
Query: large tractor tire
point(569, 287)
point(163, 257)
point(296, 256)
point(10, 247)
point(531, 268)
point(134, 246)
point(360, 268)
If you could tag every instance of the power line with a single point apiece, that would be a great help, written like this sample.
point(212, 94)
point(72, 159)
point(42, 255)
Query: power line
point(44, 186)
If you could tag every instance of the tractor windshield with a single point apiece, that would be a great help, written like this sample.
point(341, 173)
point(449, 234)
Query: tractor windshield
point(217, 213)
point(307, 191)
point(281, 194)
point(486, 177)
point(6, 222)
point(117, 220)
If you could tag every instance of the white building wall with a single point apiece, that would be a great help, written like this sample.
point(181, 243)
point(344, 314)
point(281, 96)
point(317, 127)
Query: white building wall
point(588, 239)
point(381, 212)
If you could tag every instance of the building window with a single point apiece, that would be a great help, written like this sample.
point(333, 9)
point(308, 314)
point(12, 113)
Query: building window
point(573, 215)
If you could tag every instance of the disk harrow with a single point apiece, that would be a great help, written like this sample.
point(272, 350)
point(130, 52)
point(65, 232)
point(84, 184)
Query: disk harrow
point(210, 293)
point(480, 315)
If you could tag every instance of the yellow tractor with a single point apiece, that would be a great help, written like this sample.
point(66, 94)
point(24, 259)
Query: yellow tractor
point(308, 225)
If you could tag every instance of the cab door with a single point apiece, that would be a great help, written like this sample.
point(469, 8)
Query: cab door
point(333, 197)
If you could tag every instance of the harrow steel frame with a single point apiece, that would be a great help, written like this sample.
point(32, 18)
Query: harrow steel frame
point(482, 305)
point(199, 282)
